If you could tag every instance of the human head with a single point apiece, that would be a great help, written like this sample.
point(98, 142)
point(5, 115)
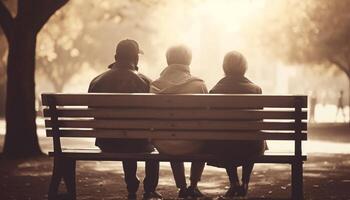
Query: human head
point(234, 64)
point(127, 51)
point(179, 54)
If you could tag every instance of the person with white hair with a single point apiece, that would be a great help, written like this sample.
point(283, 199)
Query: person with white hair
point(235, 82)
point(177, 79)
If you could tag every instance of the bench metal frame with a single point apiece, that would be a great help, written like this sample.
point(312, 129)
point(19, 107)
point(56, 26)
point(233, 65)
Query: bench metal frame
point(190, 117)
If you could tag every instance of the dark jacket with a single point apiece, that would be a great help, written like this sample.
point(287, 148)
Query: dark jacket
point(235, 85)
point(121, 79)
point(239, 149)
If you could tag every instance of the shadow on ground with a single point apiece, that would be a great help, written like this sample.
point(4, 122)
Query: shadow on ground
point(326, 177)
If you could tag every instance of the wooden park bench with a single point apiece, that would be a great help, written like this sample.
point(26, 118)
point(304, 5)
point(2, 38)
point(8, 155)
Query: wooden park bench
point(185, 117)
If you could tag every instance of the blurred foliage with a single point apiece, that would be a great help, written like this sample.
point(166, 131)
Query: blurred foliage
point(83, 35)
point(309, 32)
point(75, 37)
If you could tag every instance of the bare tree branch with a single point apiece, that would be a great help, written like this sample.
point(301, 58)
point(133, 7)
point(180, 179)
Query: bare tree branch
point(341, 66)
point(45, 9)
point(6, 21)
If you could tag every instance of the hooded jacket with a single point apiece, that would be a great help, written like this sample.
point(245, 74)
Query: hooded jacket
point(177, 79)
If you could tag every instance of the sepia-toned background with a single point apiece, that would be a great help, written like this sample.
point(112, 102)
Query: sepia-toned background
point(292, 47)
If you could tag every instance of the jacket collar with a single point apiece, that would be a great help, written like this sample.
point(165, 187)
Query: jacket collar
point(119, 65)
point(177, 67)
point(235, 78)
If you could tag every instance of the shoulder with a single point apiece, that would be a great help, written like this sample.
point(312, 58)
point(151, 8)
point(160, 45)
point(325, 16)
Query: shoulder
point(256, 88)
point(96, 80)
point(224, 85)
point(197, 80)
point(259, 90)
point(199, 84)
point(145, 78)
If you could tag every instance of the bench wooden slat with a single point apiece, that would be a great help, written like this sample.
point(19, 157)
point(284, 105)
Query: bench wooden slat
point(174, 101)
point(174, 116)
point(189, 135)
point(81, 154)
point(175, 124)
point(174, 113)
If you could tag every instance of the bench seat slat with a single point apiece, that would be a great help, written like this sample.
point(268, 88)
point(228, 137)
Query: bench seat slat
point(189, 135)
point(80, 154)
point(174, 113)
point(174, 116)
point(176, 124)
point(175, 101)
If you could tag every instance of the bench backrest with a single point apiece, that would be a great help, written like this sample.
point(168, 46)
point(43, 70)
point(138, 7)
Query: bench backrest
point(181, 116)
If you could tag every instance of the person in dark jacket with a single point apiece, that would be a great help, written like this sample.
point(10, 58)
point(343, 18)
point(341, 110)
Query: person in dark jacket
point(234, 82)
point(123, 77)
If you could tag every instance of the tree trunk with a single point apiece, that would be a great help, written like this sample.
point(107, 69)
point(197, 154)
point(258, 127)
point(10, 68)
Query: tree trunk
point(2, 99)
point(342, 64)
point(2, 88)
point(21, 139)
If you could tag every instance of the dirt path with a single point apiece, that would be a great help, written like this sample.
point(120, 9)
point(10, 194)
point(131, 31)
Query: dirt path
point(325, 177)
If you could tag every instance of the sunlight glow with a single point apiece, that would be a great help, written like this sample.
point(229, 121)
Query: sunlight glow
point(210, 28)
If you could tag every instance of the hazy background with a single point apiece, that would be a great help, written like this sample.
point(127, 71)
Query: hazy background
point(292, 47)
point(289, 45)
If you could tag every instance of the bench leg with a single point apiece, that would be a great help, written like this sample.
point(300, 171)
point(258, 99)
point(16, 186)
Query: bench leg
point(55, 179)
point(62, 169)
point(297, 181)
point(69, 178)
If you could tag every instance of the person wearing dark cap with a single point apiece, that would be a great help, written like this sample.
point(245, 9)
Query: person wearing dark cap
point(235, 82)
point(123, 77)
